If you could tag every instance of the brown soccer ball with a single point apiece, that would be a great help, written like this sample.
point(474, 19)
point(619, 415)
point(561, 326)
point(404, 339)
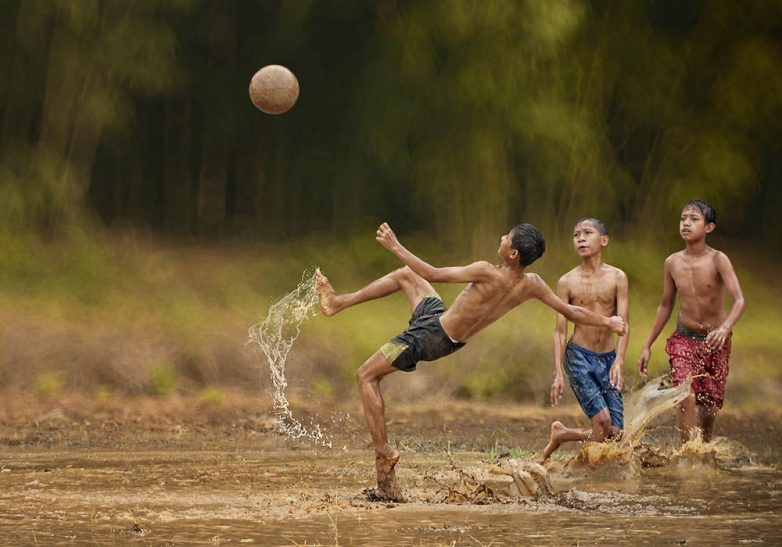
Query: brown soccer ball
point(274, 89)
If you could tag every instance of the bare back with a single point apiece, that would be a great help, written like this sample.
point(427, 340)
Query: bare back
point(596, 291)
point(701, 289)
point(482, 302)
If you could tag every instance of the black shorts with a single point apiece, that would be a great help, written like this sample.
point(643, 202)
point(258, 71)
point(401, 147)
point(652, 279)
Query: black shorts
point(423, 340)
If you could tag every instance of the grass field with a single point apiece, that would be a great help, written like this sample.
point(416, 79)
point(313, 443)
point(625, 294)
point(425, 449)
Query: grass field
point(127, 314)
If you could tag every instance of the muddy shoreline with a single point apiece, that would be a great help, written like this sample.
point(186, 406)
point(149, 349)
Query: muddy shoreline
point(183, 471)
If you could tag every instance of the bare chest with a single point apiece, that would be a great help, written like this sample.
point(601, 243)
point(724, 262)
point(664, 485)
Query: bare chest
point(593, 292)
point(696, 277)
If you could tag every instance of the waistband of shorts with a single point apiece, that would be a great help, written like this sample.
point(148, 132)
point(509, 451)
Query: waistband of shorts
point(582, 349)
point(700, 336)
point(433, 296)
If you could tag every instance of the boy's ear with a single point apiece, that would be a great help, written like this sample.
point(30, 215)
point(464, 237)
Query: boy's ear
point(710, 227)
point(514, 254)
point(604, 240)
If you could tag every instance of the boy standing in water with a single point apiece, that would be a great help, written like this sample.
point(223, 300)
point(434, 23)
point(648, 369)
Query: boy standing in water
point(700, 346)
point(435, 332)
point(592, 362)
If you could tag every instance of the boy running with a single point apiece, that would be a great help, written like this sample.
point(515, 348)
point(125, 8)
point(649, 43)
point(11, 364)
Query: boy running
point(700, 346)
point(435, 332)
point(590, 359)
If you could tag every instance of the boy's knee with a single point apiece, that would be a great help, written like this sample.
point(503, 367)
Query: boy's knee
point(361, 375)
point(365, 374)
point(603, 422)
point(404, 273)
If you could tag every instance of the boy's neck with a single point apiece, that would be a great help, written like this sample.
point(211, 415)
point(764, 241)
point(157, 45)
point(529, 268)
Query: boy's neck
point(513, 266)
point(592, 263)
point(696, 248)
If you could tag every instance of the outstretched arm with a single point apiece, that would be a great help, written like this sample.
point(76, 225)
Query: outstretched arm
point(560, 340)
point(717, 337)
point(660, 319)
point(477, 271)
point(576, 314)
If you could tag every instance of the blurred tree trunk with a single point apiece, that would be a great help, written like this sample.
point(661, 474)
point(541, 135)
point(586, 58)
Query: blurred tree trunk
point(177, 173)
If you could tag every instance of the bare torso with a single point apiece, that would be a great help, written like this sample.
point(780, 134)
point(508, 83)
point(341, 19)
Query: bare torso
point(701, 290)
point(596, 291)
point(480, 304)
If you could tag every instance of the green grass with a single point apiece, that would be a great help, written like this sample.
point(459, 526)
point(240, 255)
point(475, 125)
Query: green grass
point(127, 314)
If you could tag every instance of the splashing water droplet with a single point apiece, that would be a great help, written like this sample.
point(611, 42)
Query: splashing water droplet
point(644, 405)
point(275, 336)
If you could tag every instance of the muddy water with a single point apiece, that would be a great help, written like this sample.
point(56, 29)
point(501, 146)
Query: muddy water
point(293, 495)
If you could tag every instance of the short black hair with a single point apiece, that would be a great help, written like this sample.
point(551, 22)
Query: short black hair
point(598, 224)
point(708, 212)
point(529, 242)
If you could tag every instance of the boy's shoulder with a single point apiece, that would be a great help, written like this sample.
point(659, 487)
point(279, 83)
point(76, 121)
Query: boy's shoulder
point(675, 257)
point(711, 254)
point(570, 275)
point(614, 270)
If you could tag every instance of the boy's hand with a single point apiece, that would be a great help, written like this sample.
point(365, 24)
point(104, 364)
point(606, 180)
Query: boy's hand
point(717, 338)
point(557, 389)
point(617, 324)
point(386, 237)
point(616, 375)
point(643, 362)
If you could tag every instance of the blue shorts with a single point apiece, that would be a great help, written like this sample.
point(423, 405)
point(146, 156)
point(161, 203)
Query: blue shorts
point(423, 340)
point(588, 374)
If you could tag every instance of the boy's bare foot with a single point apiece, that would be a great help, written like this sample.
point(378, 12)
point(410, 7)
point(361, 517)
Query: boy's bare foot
point(557, 428)
point(385, 492)
point(328, 295)
point(387, 489)
point(385, 461)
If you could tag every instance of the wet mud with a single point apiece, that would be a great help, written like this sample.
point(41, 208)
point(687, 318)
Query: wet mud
point(179, 471)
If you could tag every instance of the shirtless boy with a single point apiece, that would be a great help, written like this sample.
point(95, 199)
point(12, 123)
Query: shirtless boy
point(700, 346)
point(592, 362)
point(435, 332)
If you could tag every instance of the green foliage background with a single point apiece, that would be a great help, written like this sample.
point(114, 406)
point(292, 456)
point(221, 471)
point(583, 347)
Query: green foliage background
point(149, 213)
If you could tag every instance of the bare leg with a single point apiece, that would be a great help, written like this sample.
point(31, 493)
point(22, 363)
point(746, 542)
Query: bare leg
point(376, 367)
point(707, 415)
point(601, 426)
point(560, 433)
point(686, 417)
point(386, 457)
point(404, 279)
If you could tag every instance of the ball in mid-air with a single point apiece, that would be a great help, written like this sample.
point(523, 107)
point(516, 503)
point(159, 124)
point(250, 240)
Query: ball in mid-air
point(274, 89)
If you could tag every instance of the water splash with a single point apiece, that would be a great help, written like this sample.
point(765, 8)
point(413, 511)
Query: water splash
point(721, 453)
point(645, 404)
point(640, 408)
point(275, 336)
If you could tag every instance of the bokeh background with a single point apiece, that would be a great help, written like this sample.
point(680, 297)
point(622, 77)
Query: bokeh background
point(149, 214)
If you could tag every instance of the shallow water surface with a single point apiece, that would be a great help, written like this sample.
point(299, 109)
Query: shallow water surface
point(314, 497)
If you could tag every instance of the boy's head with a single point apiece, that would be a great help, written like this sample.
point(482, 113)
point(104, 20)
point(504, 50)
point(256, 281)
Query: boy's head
point(529, 242)
point(589, 237)
point(697, 221)
point(596, 224)
point(708, 212)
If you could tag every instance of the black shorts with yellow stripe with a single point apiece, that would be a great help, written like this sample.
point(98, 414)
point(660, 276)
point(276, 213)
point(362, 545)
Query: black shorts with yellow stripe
point(423, 340)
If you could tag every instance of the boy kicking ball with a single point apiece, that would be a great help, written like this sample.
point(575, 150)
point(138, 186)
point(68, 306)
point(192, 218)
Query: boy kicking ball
point(434, 331)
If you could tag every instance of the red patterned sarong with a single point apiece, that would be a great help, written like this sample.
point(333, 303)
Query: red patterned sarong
point(691, 356)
